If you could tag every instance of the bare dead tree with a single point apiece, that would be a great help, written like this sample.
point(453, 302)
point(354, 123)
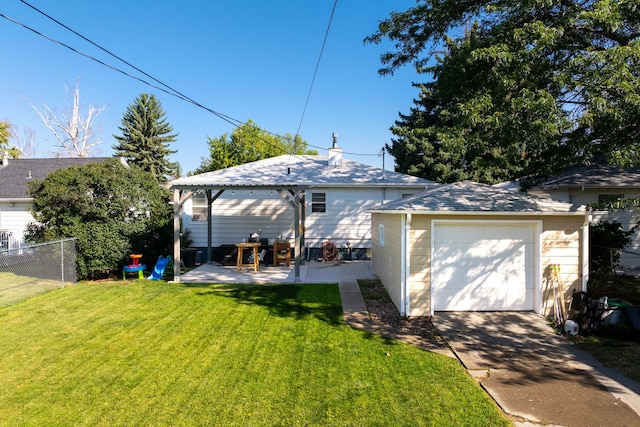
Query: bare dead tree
point(75, 135)
point(24, 141)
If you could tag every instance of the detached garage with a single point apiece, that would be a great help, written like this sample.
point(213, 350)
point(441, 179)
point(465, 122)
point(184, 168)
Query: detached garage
point(473, 247)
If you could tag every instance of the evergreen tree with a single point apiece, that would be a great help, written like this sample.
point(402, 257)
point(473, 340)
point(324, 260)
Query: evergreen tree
point(517, 89)
point(146, 136)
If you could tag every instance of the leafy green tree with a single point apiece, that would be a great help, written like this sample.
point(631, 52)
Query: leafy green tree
point(5, 135)
point(607, 239)
point(248, 143)
point(111, 208)
point(524, 89)
point(146, 136)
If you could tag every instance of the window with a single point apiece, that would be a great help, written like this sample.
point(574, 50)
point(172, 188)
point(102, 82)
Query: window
point(381, 234)
point(199, 207)
point(608, 198)
point(318, 202)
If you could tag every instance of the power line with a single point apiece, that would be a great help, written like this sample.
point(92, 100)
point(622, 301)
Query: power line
point(165, 88)
point(315, 73)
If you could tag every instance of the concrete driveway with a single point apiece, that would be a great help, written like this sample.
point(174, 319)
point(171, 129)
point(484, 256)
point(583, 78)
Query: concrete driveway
point(536, 376)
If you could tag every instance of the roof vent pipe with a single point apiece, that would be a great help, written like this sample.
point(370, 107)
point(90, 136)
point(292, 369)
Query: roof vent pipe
point(335, 153)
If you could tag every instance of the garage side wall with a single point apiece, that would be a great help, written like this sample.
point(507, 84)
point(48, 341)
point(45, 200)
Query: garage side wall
point(386, 253)
point(561, 245)
point(420, 267)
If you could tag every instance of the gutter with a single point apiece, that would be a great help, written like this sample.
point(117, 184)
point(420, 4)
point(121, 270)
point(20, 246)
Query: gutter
point(474, 213)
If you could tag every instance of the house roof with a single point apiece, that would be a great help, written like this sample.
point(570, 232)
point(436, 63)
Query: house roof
point(292, 171)
point(595, 176)
point(472, 198)
point(17, 172)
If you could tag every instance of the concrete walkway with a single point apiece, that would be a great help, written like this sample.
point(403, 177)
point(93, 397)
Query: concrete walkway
point(535, 375)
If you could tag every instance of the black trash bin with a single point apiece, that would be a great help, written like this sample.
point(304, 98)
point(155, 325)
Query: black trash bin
point(188, 256)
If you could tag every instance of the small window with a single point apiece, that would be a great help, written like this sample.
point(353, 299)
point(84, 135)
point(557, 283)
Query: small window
point(318, 202)
point(199, 207)
point(381, 234)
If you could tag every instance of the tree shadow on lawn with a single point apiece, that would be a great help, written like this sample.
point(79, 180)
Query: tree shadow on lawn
point(284, 300)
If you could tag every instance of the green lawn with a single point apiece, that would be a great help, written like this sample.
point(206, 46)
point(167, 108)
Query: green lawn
point(152, 353)
point(14, 288)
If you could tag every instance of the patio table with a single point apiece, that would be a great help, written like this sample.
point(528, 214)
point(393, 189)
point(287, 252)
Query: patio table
point(248, 245)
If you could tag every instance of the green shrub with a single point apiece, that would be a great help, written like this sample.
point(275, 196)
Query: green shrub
point(111, 208)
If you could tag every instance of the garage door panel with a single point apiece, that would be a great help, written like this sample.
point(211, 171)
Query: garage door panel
point(480, 267)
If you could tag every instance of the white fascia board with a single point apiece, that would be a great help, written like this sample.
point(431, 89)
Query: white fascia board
point(475, 213)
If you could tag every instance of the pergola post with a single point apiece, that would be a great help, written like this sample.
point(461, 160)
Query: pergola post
point(209, 236)
point(176, 235)
point(296, 210)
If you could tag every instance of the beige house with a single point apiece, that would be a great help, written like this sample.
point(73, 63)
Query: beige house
point(473, 247)
point(595, 184)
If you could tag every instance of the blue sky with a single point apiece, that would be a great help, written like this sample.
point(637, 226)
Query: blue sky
point(245, 59)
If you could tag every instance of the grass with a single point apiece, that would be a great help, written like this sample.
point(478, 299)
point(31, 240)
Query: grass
point(619, 354)
point(152, 353)
point(623, 356)
point(15, 288)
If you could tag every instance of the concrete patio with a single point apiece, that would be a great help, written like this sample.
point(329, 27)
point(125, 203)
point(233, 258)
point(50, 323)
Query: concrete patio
point(310, 272)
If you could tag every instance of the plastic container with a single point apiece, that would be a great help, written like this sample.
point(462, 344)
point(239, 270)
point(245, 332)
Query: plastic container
point(571, 327)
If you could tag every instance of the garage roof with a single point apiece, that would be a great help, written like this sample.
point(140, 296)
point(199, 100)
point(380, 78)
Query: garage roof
point(474, 198)
point(595, 176)
point(299, 172)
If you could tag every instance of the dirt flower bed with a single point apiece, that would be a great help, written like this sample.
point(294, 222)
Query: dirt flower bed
point(382, 310)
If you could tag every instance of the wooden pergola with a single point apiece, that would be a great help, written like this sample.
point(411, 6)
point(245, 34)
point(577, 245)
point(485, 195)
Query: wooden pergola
point(293, 194)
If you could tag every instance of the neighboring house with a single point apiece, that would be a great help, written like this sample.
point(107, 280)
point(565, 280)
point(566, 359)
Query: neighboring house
point(594, 184)
point(474, 247)
point(326, 196)
point(15, 203)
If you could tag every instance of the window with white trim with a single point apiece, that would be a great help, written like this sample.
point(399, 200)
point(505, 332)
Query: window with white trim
point(318, 202)
point(381, 234)
point(199, 207)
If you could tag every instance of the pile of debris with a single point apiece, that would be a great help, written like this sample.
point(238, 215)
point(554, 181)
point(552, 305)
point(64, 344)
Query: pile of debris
point(602, 316)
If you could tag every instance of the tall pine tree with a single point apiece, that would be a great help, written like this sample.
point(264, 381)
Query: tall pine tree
point(146, 136)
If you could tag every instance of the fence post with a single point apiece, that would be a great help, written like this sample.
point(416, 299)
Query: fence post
point(62, 261)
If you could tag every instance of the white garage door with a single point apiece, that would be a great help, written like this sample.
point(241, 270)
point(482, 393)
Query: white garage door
point(479, 267)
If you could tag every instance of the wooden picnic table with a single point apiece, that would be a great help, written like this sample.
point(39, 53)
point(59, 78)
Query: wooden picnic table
point(248, 245)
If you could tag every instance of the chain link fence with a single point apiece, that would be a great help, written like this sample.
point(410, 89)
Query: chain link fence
point(31, 270)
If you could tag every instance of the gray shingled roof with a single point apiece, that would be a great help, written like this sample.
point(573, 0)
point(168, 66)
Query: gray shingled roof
point(15, 175)
point(301, 172)
point(595, 176)
point(470, 197)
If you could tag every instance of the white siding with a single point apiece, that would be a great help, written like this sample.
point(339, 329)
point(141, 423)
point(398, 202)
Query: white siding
point(240, 213)
point(15, 218)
